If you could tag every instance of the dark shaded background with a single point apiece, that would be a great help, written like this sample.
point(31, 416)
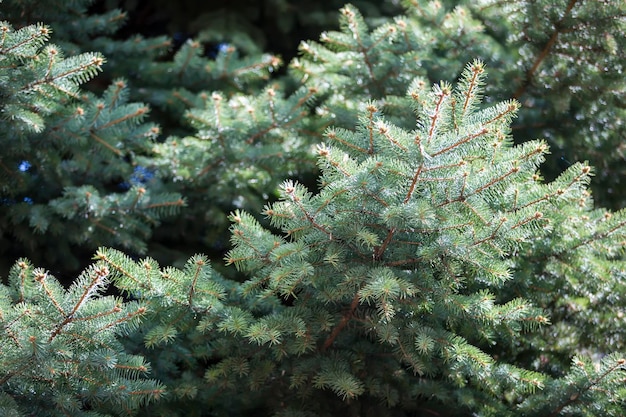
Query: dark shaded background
point(275, 26)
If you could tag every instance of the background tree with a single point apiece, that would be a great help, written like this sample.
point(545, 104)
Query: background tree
point(70, 179)
point(431, 268)
point(227, 175)
point(433, 39)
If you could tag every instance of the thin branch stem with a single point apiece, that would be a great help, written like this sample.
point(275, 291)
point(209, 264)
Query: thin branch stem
point(530, 74)
point(342, 324)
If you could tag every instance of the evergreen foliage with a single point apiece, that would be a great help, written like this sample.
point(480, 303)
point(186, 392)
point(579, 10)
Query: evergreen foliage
point(445, 263)
point(183, 88)
point(60, 353)
point(65, 151)
point(244, 146)
point(560, 59)
point(411, 246)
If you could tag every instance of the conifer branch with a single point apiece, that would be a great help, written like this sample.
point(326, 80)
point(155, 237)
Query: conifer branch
point(99, 275)
point(273, 62)
point(183, 99)
point(101, 226)
point(511, 107)
point(23, 276)
point(120, 85)
point(51, 61)
point(42, 32)
point(217, 102)
point(371, 109)
point(105, 143)
point(378, 252)
point(156, 393)
point(417, 369)
point(493, 233)
point(332, 135)
point(290, 190)
point(40, 277)
point(483, 187)
point(101, 255)
point(212, 166)
point(7, 326)
point(460, 142)
point(325, 153)
point(275, 123)
point(192, 288)
point(413, 183)
point(383, 130)
point(176, 203)
point(477, 70)
point(138, 113)
point(342, 323)
point(576, 396)
point(354, 26)
point(130, 316)
point(271, 93)
point(106, 313)
point(194, 47)
point(95, 63)
point(530, 73)
point(12, 374)
point(538, 215)
point(598, 235)
point(441, 92)
point(140, 192)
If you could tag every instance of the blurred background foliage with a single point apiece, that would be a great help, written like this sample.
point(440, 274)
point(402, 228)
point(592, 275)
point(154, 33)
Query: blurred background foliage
point(563, 63)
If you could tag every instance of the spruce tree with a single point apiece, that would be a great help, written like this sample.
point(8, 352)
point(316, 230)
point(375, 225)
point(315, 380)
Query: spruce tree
point(411, 249)
point(180, 82)
point(432, 270)
point(68, 160)
point(559, 59)
point(59, 351)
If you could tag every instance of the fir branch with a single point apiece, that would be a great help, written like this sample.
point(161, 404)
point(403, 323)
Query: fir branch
point(538, 215)
point(98, 277)
point(81, 72)
point(466, 139)
point(200, 263)
point(273, 62)
point(597, 236)
point(102, 255)
point(140, 311)
point(619, 364)
point(27, 365)
point(383, 130)
point(38, 34)
point(477, 69)
point(40, 277)
point(177, 203)
point(16, 320)
point(290, 191)
point(413, 183)
point(98, 224)
point(138, 113)
point(191, 49)
point(441, 92)
point(558, 28)
point(491, 183)
point(348, 315)
point(354, 25)
point(116, 309)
